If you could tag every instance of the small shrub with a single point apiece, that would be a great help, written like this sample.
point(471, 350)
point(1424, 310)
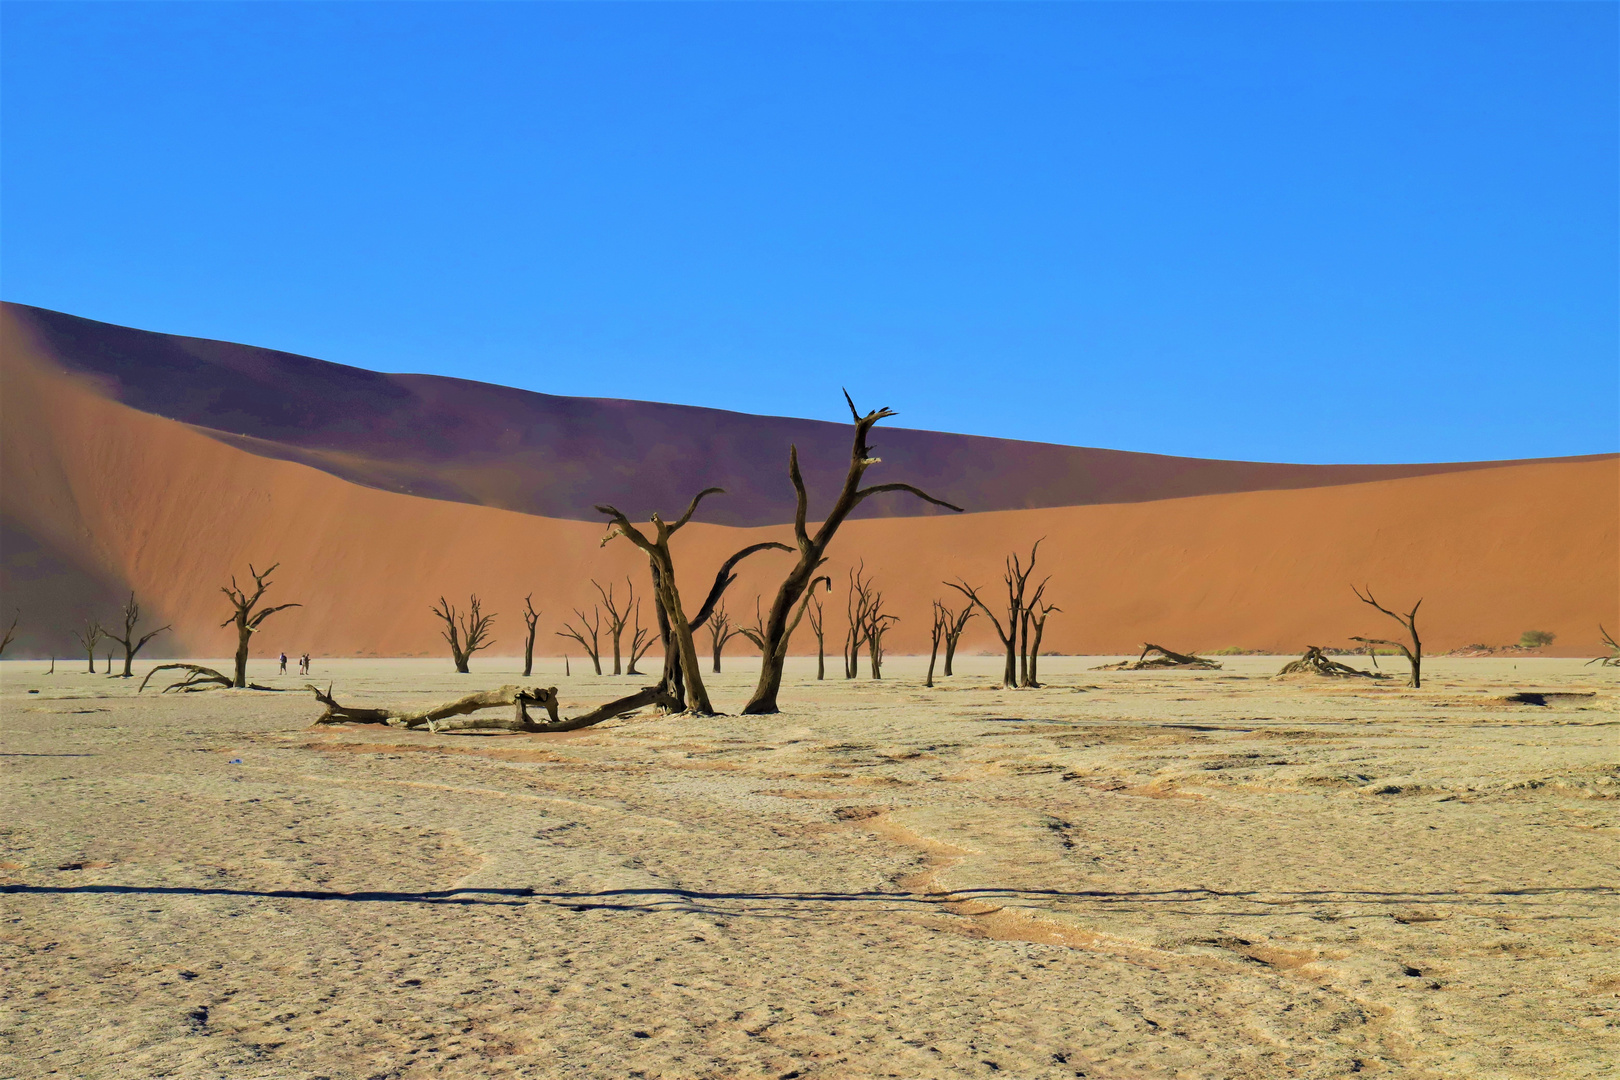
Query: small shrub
point(1535, 639)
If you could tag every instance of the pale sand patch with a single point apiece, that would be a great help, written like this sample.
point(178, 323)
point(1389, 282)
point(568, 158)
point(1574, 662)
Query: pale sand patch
point(1124, 874)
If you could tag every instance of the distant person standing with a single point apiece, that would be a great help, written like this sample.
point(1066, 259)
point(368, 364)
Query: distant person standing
point(283, 663)
point(307, 664)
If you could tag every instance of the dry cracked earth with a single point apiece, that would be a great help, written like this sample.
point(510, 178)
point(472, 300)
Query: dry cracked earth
point(1119, 875)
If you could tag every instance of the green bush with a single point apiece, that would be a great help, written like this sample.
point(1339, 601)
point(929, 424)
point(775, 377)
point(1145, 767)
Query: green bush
point(1535, 639)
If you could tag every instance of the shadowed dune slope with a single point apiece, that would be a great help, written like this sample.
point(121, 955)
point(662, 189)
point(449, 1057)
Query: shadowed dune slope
point(559, 456)
point(98, 497)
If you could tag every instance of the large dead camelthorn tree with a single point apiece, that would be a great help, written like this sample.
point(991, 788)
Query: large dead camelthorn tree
point(788, 608)
point(10, 634)
point(467, 633)
point(1016, 578)
point(591, 626)
point(682, 681)
point(1414, 652)
point(248, 616)
point(130, 640)
point(531, 619)
point(87, 638)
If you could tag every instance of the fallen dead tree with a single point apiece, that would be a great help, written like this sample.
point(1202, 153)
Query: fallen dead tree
point(457, 715)
point(1167, 658)
point(1315, 662)
point(198, 678)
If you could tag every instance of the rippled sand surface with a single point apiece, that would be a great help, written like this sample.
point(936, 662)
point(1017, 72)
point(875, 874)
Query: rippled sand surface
point(1144, 875)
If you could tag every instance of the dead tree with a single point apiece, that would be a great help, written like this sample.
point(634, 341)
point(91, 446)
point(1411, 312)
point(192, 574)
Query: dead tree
point(1015, 666)
point(593, 626)
point(1414, 652)
point(1316, 662)
point(936, 633)
point(1035, 615)
point(953, 630)
point(1612, 660)
point(457, 715)
point(10, 634)
point(721, 631)
point(858, 609)
point(129, 640)
point(877, 624)
point(467, 633)
point(87, 638)
point(616, 619)
point(531, 618)
point(682, 681)
point(248, 616)
point(818, 626)
point(640, 641)
point(788, 607)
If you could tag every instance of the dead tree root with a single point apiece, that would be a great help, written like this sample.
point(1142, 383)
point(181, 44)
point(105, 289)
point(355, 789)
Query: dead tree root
point(1166, 659)
point(456, 715)
point(1314, 662)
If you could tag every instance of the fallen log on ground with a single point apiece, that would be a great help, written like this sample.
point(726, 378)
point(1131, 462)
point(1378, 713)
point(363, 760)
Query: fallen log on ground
point(1167, 658)
point(457, 715)
point(1315, 662)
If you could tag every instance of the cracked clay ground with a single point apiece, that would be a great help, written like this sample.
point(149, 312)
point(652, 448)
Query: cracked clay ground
point(1122, 875)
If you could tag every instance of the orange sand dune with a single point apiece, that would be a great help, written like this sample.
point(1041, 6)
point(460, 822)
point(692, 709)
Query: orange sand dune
point(98, 497)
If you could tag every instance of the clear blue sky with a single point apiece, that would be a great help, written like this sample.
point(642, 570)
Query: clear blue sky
point(1305, 232)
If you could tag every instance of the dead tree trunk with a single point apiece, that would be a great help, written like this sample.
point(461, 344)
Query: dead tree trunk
point(640, 641)
point(11, 633)
point(1015, 666)
point(467, 633)
point(1414, 652)
point(819, 628)
point(592, 626)
point(1038, 614)
point(87, 639)
point(679, 633)
point(858, 608)
point(531, 618)
point(720, 632)
point(248, 617)
point(877, 624)
point(615, 619)
point(130, 640)
point(953, 631)
point(936, 634)
point(787, 608)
